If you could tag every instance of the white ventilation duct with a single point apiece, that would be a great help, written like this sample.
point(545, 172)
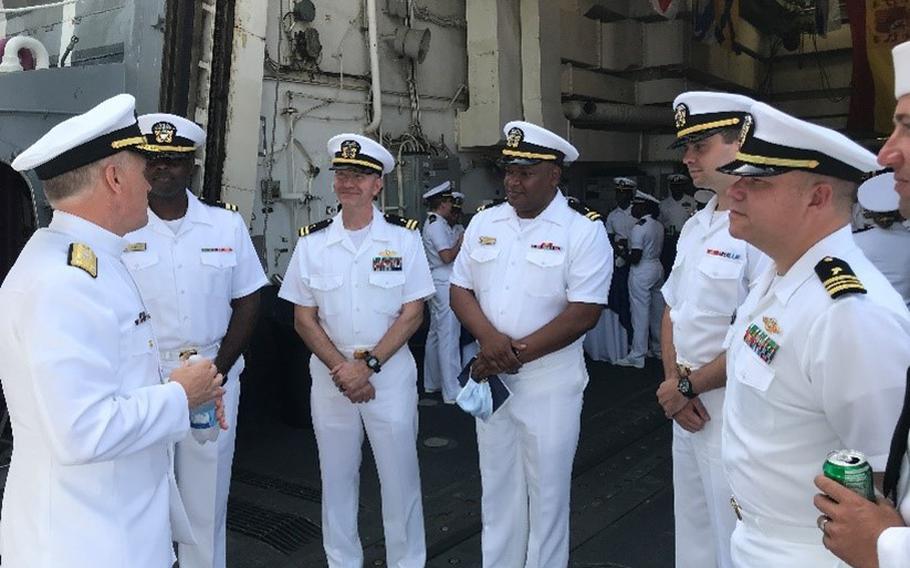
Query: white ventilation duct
point(10, 61)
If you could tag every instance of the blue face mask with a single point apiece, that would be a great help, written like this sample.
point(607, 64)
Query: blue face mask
point(476, 399)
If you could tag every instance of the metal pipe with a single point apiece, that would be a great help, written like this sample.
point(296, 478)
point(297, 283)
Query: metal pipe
point(374, 67)
point(615, 114)
point(10, 61)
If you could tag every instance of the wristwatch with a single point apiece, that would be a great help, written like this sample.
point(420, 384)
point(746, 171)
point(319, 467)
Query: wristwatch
point(684, 386)
point(372, 362)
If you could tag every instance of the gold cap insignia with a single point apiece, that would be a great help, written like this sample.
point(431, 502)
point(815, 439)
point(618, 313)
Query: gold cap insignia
point(350, 149)
point(681, 115)
point(164, 132)
point(515, 136)
point(81, 256)
point(744, 131)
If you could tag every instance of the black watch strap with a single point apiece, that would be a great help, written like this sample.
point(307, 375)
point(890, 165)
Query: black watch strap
point(372, 362)
point(685, 387)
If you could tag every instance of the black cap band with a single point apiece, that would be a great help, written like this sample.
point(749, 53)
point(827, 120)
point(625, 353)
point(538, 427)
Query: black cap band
point(128, 138)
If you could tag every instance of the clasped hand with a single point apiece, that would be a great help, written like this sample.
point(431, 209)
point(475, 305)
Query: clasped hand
point(353, 379)
point(498, 354)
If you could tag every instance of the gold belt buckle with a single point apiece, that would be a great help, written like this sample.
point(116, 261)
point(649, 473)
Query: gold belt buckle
point(736, 508)
point(187, 353)
point(683, 370)
point(361, 354)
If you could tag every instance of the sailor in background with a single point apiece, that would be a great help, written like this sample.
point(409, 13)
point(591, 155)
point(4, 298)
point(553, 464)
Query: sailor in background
point(646, 276)
point(200, 277)
point(817, 355)
point(711, 277)
point(358, 281)
point(90, 482)
point(532, 277)
point(615, 329)
point(858, 531)
point(442, 355)
point(887, 242)
point(675, 210)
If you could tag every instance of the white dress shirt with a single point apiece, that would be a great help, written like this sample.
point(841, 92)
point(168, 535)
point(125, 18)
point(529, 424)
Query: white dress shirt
point(648, 237)
point(359, 291)
point(674, 214)
point(524, 276)
point(620, 222)
point(439, 235)
point(808, 374)
point(889, 251)
point(188, 279)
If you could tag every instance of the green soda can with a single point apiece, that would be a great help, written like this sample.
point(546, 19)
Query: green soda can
point(852, 470)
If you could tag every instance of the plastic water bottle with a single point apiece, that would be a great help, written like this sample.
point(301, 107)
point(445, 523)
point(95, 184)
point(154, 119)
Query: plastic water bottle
point(203, 421)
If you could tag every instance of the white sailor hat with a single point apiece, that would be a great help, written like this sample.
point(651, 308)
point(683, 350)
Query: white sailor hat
point(780, 143)
point(103, 131)
point(445, 188)
point(679, 179)
point(527, 144)
point(459, 198)
point(169, 135)
point(642, 197)
point(625, 183)
point(877, 193)
point(356, 152)
point(703, 196)
point(701, 114)
point(901, 55)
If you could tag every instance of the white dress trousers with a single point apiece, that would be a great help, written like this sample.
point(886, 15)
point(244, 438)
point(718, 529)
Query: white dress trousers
point(187, 280)
point(359, 292)
point(645, 279)
point(524, 273)
point(442, 360)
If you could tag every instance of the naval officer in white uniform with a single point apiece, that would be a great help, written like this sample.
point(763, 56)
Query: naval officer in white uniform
point(200, 277)
point(532, 277)
point(817, 355)
point(710, 278)
point(442, 355)
point(858, 531)
point(359, 280)
point(90, 482)
point(646, 275)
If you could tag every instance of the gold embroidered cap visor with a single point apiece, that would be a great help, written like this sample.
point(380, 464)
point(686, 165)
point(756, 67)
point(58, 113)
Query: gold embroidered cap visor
point(169, 136)
point(527, 144)
point(698, 127)
point(359, 153)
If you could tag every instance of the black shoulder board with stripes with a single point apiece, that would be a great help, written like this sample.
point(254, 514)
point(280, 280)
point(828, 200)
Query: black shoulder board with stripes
point(581, 208)
point(221, 204)
point(410, 224)
point(310, 229)
point(838, 278)
point(493, 203)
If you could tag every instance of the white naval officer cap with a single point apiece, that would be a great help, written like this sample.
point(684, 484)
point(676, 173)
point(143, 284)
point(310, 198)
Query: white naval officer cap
point(356, 152)
point(102, 131)
point(625, 183)
point(459, 199)
point(702, 114)
point(528, 144)
point(774, 143)
point(445, 188)
point(877, 193)
point(901, 55)
point(169, 135)
point(642, 197)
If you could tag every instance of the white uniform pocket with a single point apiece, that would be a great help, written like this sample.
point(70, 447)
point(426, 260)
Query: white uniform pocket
point(327, 292)
point(142, 265)
point(545, 275)
point(217, 270)
point(386, 291)
point(755, 378)
point(718, 292)
point(482, 265)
